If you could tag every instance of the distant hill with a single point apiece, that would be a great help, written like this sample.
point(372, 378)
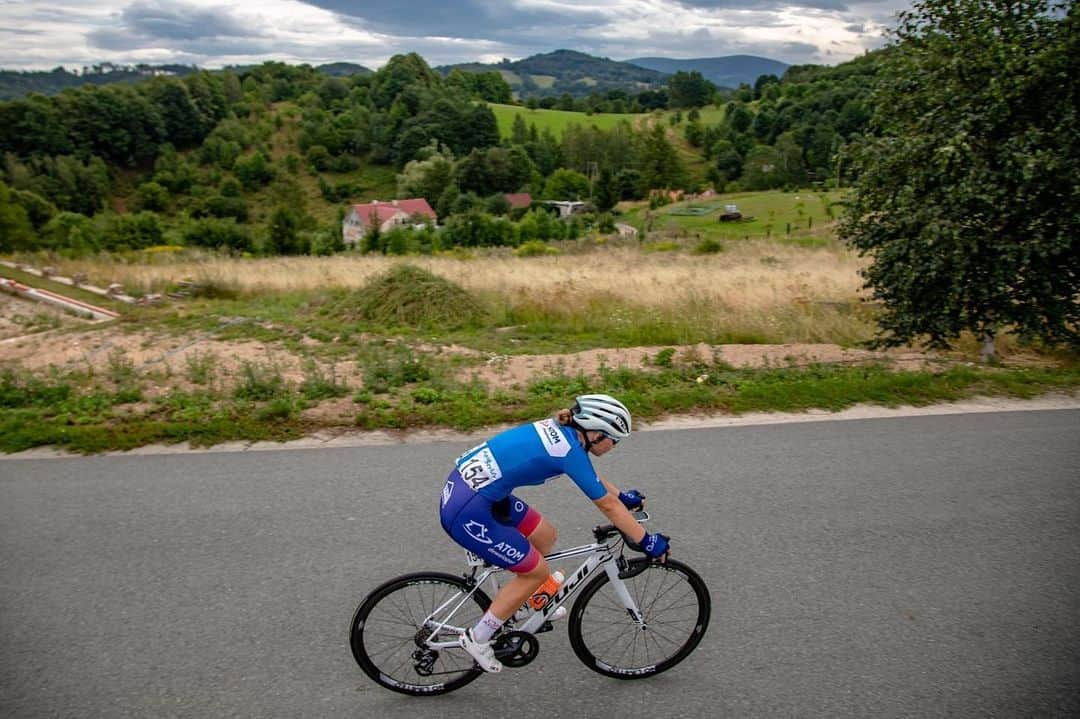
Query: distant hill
point(575, 73)
point(15, 84)
point(727, 71)
point(343, 69)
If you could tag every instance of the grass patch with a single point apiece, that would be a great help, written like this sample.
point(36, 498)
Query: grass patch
point(74, 293)
point(555, 120)
point(799, 218)
point(417, 392)
point(408, 296)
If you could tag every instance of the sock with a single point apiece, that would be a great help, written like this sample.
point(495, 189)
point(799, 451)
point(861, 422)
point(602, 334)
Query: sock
point(487, 626)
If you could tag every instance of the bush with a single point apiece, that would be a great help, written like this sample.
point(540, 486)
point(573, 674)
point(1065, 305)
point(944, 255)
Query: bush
point(260, 383)
point(535, 248)
point(709, 246)
point(152, 196)
point(253, 171)
point(215, 233)
point(319, 384)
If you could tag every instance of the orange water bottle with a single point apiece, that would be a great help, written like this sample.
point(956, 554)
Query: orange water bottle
point(546, 591)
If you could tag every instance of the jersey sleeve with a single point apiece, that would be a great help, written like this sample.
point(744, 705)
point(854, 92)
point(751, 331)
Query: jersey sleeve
point(579, 469)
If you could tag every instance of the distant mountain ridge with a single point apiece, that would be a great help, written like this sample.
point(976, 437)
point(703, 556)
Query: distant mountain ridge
point(567, 71)
point(15, 84)
point(726, 71)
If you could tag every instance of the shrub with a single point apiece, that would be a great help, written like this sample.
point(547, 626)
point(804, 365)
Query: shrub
point(214, 233)
point(319, 384)
point(535, 248)
point(709, 246)
point(152, 196)
point(260, 382)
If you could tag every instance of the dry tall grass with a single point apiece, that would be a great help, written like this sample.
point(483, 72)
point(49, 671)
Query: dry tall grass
point(749, 275)
point(760, 288)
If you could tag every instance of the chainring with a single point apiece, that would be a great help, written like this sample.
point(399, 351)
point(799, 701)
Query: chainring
point(516, 649)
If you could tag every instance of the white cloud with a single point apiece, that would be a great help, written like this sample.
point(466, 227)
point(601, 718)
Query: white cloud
point(40, 34)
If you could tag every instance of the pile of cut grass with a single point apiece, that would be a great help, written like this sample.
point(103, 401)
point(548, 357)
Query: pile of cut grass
point(406, 295)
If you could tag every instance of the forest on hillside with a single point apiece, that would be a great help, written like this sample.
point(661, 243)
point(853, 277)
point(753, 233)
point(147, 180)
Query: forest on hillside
point(264, 159)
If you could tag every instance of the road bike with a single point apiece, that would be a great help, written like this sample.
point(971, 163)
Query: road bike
point(636, 618)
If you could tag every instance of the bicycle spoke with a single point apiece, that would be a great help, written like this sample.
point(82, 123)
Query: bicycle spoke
point(671, 610)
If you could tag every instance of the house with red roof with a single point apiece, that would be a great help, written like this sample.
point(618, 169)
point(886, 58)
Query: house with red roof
point(518, 200)
point(386, 215)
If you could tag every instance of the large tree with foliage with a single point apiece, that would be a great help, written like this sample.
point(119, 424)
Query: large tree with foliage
point(967, 198)
point(16, 232)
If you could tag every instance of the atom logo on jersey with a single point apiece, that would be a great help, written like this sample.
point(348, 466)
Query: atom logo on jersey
point(447, 490)
point(552, 437)
point(507, 552)
point(477, 531)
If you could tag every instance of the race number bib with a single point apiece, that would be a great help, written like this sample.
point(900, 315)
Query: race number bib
point(480, 469)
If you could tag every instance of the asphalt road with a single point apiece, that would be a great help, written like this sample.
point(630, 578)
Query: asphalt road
point(915, 567)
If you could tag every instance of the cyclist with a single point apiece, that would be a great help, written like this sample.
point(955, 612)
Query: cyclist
point(479, 511)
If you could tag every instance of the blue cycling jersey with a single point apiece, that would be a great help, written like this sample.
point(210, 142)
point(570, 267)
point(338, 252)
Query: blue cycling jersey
point(529, 454)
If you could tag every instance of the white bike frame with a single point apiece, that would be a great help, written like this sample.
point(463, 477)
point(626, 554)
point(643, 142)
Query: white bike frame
point(596, 556)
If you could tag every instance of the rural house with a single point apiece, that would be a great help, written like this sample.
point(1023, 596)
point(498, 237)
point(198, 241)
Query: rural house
point(518, 200)
point(385, 215)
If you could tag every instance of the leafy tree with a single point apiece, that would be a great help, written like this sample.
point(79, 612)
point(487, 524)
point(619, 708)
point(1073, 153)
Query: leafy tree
point(763, 169)
point(607, 191)
point(519, 135)
point(728, 160)
point(216, 233)
point(399, 72)
point(471, 173)
point(427, 178)
point(131, 232)
point(966, 201)
point(253, 171)
point(737, 117)
point(484, 129)
point(659, 165)
point(38, 210)
point(73, 233)
point(629, 184)
point(153, 196)
point(184, 123)
point(16, 233)
point(284, 238)
point(762, 82)
point(689, 89)
point(566, 185)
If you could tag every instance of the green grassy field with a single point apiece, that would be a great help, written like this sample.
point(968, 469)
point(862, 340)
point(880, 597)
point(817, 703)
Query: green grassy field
point(555, 120)
point(766, 214)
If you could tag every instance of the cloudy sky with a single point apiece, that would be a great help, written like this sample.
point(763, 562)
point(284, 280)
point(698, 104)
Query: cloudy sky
point(41, 34)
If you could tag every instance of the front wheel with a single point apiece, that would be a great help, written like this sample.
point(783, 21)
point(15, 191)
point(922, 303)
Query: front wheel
point(674, 602)
point(390, 627)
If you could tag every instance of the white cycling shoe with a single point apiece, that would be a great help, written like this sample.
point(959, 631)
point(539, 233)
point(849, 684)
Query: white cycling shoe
point(482, 652)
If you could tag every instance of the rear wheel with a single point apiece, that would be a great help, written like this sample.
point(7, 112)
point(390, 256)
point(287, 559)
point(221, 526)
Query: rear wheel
point(389, 629)
point(674, 602)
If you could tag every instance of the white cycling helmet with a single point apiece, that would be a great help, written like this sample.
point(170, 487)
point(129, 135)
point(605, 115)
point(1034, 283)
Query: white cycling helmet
point(604, 413)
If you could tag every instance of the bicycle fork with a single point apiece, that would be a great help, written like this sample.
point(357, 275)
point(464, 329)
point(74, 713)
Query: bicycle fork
point(612, 569)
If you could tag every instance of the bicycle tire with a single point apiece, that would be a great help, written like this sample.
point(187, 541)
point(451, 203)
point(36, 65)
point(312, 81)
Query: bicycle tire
point(674, 601)
point(387, 622)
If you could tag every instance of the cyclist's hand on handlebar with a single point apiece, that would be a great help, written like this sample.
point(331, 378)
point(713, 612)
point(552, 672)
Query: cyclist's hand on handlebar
point(656, 546)
point(632, 499)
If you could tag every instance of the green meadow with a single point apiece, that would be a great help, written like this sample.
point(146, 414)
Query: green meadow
point(555, 120)
point(774, 214)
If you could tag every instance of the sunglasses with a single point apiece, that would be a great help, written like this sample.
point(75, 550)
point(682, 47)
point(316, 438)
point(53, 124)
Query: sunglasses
point(614, 441)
